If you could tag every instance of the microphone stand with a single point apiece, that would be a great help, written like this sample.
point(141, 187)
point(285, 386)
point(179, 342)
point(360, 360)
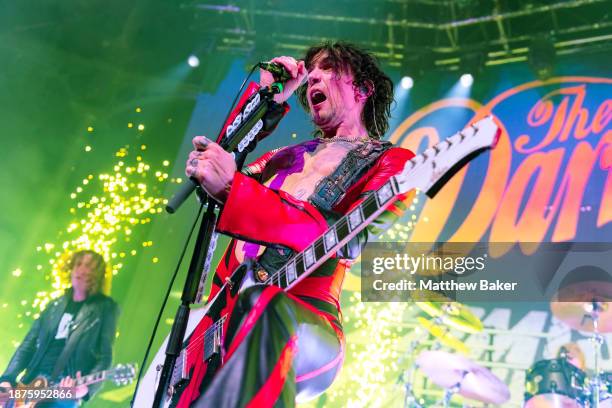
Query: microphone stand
point(237, 140)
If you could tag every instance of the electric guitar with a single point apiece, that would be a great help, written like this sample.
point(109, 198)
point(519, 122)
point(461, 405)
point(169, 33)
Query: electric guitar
point(427, 172)
point(28, 395)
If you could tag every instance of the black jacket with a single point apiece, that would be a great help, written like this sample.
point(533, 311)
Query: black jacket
point(89, 346)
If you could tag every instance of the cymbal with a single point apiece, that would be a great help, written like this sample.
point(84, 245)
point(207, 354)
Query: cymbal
point(442, 334)
point(473, 381)
point(454, 314)
point(588, 299)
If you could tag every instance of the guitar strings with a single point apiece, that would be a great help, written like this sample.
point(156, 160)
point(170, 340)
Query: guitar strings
point(207, 333)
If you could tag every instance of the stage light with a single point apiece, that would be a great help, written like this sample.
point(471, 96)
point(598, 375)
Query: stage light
point(466, 80)
point(407, 82)
point(193, 61)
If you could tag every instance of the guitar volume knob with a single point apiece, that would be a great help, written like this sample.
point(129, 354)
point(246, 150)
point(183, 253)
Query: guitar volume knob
point(262, 275)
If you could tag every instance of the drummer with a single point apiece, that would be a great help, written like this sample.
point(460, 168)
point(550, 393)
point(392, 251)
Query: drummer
point(573, 354)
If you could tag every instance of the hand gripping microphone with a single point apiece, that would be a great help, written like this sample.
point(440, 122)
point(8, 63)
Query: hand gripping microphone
point(280, 74)
point(278, 71)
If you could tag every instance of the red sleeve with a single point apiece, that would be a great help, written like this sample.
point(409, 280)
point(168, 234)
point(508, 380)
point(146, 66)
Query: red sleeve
point(256, 213)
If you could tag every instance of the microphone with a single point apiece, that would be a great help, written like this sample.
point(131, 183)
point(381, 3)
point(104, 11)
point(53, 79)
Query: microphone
point(181, 195)
point(278, 71)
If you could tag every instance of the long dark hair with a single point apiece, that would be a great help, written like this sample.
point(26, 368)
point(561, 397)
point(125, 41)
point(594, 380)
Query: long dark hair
point(347, 57)
point(99, 269)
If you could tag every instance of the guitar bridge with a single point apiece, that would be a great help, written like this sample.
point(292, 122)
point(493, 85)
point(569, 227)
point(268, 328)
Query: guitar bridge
point(179, 373)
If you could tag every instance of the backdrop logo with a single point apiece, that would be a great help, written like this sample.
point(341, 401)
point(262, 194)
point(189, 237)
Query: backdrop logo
point(549, 177)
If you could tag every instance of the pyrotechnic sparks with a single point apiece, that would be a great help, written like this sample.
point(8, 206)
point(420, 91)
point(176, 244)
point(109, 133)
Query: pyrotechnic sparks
point(106, 210)
point(374, 332)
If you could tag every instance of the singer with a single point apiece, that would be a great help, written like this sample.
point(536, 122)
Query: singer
point(285, 346)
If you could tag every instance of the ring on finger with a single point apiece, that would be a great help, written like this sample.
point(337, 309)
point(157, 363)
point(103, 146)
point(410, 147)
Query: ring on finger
point(203, 141)
point(194, 162)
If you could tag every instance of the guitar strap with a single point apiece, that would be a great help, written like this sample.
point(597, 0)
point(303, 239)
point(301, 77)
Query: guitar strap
point(83, 318)
point(331, 189)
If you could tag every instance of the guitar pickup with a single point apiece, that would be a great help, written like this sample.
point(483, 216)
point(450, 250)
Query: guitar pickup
point(180, 371)
point(213, 343)
point(217, 341)
point(184, 371)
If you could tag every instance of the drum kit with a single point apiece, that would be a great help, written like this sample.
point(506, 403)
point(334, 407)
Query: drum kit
point(561, 383)
point(555, 383)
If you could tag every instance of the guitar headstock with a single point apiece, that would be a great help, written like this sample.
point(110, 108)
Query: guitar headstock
point(122, 374)
point(430, 170)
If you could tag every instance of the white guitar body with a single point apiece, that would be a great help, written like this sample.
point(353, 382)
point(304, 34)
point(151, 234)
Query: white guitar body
point(148, 384)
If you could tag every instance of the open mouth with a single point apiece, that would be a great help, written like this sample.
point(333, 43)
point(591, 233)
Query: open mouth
point(317, 97)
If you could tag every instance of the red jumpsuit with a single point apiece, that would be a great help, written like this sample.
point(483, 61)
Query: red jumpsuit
point(282, 346)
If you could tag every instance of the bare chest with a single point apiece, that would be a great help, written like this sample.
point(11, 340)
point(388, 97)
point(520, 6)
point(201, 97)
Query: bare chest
point(316, 166)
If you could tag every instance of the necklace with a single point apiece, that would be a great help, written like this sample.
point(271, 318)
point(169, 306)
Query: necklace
point(349, 139)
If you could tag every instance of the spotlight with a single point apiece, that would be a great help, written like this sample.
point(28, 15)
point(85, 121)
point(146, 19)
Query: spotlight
point(407, 82)
point(193, 61)
point(466, 80)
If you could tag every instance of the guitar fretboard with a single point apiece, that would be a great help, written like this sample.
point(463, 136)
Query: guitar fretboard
point(93, 378)
point(336, 236)
point(119, 373)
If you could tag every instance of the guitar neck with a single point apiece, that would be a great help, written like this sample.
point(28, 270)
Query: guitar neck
point(94, 378)
point(346, 228)
point(90, 378)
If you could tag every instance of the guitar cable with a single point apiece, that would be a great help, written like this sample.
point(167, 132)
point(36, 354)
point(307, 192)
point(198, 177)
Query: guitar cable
point(182, 255)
